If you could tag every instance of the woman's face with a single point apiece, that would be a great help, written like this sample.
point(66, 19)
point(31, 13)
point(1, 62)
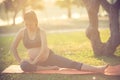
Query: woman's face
point(31, 25)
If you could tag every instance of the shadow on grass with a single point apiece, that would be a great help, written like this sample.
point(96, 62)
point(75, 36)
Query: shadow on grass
point(112, 60)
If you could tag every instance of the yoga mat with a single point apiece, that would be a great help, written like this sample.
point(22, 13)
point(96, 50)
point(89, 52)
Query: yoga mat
point(111, 70)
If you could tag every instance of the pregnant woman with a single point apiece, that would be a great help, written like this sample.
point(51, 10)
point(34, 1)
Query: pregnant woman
point(40, 56)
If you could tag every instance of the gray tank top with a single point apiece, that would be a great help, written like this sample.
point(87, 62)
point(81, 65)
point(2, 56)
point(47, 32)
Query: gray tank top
point(32, 43)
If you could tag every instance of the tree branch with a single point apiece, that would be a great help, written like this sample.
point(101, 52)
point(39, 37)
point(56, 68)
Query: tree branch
point(105, 5)
point(117, 4)
point(92, 4)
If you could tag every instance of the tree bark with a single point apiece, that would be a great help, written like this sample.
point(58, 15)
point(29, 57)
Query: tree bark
point(114, 39)
point(92, 32)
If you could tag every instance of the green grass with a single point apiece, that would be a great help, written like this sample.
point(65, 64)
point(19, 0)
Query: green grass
point(72, 45)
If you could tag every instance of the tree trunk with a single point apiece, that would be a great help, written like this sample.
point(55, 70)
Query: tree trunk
point(114, 39)
point(69, 9)
point(69, 12)
point(14, 18)
point(92, 32)
point(7, 18)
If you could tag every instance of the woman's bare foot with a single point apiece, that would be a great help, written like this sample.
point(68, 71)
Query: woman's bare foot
point(101, 69)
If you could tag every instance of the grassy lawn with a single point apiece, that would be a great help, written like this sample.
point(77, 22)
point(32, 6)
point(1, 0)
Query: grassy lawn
point(73, 45)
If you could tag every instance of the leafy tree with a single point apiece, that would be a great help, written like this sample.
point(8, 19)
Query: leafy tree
point(78, 3)
point(38, 4)
point(68, 4)
point(2, 11)
point(65, 4)
point(5, 7)
point(23, 4)
point(16, 6)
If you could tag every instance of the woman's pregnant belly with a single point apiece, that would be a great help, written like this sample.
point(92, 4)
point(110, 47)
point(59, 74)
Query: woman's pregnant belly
point(33, 53)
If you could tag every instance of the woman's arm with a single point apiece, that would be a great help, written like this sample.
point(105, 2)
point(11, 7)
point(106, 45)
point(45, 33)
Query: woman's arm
point(15, 45)
point(44, 51)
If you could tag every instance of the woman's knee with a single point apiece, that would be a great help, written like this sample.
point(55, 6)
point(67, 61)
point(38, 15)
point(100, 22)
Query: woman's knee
point(27, 67)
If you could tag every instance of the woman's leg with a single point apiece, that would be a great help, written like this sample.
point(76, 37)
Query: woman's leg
point(56, 60)
point(27, 67)
point(99, 69)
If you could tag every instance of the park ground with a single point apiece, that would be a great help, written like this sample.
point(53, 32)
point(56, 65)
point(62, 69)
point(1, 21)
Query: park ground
point(66, 38)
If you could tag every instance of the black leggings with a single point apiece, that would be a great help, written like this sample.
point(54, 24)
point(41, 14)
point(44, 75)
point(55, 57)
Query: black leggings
point(53, 60)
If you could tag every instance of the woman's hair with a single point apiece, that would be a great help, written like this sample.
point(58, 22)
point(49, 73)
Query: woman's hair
point(31, 16)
